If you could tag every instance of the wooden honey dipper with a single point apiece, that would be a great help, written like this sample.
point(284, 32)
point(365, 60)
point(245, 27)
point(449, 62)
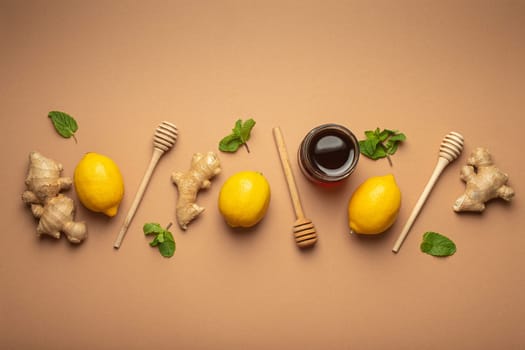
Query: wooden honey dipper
point(450, 149)
point(303, 228)
point(163, 140)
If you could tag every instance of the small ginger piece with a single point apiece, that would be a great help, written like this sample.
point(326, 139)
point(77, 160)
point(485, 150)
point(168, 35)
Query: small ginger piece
point(484, 181)
point(54, 210)
point(203, 168)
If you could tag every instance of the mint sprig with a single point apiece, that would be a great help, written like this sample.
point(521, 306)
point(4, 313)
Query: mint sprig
point(437, 245)
point(381, 143)
point(163, 238)
point(64, 124)
point(239, 136)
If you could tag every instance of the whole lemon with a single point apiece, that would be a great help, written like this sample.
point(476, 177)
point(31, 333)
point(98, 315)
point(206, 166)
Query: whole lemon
point(244, 199)
point(374, 205)
point(99, 184)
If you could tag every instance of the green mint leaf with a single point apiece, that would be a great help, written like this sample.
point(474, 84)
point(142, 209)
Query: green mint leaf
point(230, 143)
point(380, 143)
point(163, 238)
point(379, 152)
point(246, 129)
point(237, 128)
point(391, 147)
point(368, 146)
point(370, 134)
point(363, 147)
point(64, 124)
point(398, 137)
point(372, 144)
point(437, 245)
point(240, 134)
point(167, 247)
point(383, 135)
point(151, 228)
point(393, 142)
point(155, 242)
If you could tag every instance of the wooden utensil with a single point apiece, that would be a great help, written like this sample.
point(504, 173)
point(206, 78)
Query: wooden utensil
point(450, 149)
point(303, 228)
point(163, 140)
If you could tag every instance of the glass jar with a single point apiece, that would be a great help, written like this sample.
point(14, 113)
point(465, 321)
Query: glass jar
point(328, 154)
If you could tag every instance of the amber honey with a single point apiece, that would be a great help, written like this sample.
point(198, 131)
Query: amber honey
point(328, 154)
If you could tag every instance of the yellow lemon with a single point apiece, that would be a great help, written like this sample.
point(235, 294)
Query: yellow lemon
point(244, 199)
point(374, 205)
point(99, 184)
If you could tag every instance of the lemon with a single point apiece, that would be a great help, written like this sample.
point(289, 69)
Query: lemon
point(244, 199)
point(374, 205)
point(99, 184)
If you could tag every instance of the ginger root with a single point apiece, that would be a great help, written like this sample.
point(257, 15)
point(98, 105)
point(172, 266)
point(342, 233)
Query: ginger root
point(203, 168)
point(484, 181)
point(55, 211)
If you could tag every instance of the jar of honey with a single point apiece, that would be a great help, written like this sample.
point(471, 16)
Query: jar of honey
point(328, 154)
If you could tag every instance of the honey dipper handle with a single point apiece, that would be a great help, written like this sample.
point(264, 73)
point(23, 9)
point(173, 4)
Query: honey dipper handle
point(441, 164)
point(157, 153)
point(285, 162)
point(449, 150)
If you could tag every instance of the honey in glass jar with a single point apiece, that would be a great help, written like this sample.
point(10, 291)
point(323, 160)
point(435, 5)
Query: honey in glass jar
point(328, 154)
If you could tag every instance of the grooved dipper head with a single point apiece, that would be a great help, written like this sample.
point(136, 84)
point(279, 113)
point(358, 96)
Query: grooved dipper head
point(304, 232)
point(165, 136)
point(451, 146)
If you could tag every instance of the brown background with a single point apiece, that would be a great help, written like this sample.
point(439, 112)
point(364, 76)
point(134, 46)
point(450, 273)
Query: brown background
point(121, 67)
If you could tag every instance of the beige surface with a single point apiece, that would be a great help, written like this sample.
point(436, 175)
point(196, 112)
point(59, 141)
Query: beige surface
point(121, 67)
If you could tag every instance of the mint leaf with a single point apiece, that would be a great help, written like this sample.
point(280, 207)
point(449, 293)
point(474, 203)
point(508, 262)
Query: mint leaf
point(391, 148)
point(152, 228)
point(163, 238)
point(167, 247)
point(437, 245)
point(64, 124)
point(383, 135)
point(379, 152)
point(237, 128)
point(240, 134)
point(364, 147)
point(368, 146)
point(230, 143)
point(155, 242)
point(398, 137)
point(380, 143)
point(246, 129)
point(370, 134)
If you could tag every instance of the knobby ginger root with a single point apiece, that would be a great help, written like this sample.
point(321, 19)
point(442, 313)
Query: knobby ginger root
point(484, 181)
point(203, 168)
point(55, 211)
